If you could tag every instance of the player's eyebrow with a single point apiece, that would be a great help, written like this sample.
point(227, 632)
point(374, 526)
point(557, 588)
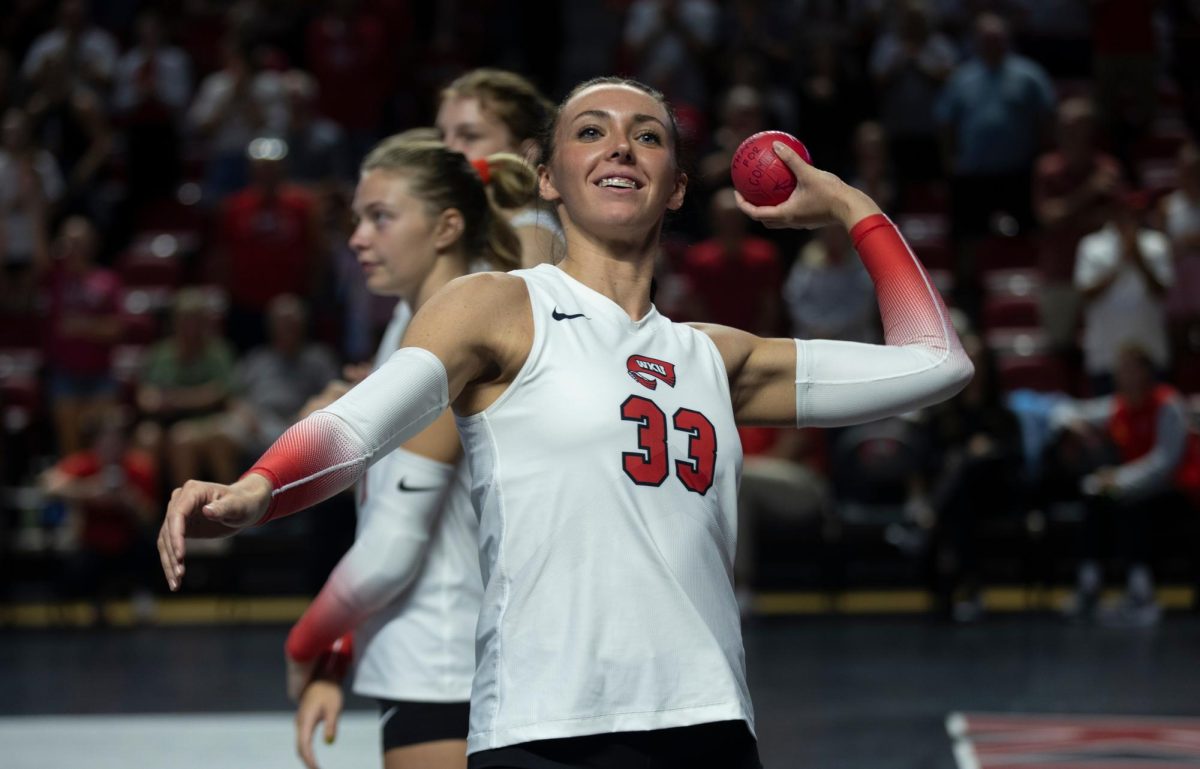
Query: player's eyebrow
point(599, 114)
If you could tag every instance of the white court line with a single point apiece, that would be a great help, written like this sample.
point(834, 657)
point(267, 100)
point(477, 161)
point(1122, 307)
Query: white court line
point(195, 741)
point(964, 749)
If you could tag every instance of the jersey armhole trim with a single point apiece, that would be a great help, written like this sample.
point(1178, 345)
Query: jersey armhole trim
point(535, 351)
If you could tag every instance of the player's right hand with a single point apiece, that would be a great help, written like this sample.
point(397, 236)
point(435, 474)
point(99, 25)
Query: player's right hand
point(201, 510)
point(320, 702)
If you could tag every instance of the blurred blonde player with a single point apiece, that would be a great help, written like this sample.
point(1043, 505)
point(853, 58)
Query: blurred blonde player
point(492, 110)
point(410, 584)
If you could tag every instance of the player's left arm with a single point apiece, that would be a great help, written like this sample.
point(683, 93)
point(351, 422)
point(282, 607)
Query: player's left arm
point(827, 383)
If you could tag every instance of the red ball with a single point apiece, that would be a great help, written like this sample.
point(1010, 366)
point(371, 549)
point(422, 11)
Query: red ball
point(759, 174)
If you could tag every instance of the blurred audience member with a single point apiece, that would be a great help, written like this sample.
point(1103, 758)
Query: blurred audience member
point(909, 63)
point(1123, 272)
point(742, 115)
point(268, 242)
point(1181, 217)
point(976, 441)
point(317, 151)
point(183, 387)
point(829, 294)
point(995, 110)
point(347, 51)
point(764, 26)
point(750, 67)
point(1183, 44)
point(872, 170)
point(1057, 34)
point(670, 42)
point(735, 276)
point(1139, 460)
point(84, 325)
point(152, 89)
point(72, 123)
point(82, 55)
point(783, 486)
point(832, 102)
point(272, 384)
point(110, 491)
point(1072, 188)
point(1126, 72)
point(30, 186)
point(234, 105)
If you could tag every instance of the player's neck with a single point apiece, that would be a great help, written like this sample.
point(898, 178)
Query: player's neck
point(624, 280)
point(445, 269)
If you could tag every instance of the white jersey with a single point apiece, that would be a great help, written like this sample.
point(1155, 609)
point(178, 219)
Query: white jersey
point(421, 647)
point(606, 480)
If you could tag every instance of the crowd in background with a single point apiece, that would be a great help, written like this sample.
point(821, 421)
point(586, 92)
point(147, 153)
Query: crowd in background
point(175, 280)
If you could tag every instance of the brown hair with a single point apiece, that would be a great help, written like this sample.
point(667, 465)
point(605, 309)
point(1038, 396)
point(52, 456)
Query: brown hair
point(444, 179)
point(515, 101)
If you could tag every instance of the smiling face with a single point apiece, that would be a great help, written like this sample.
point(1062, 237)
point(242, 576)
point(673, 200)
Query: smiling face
point(613, 167)
point(468, 128)
point(394, 237)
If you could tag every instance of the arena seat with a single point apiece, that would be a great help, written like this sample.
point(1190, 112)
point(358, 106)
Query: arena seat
point(1001, 252)
point(1011, 311)
point(1042, 372)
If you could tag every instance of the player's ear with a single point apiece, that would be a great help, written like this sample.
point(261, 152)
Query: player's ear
point(448, 229)
point(546, 188)
point(675, 202)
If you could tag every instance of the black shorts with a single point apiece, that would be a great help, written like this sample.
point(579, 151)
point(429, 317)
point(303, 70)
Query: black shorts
point(404, 723)
point(724, 744)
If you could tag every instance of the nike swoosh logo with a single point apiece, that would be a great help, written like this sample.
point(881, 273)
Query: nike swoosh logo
point(405, 487)
point(563, 316)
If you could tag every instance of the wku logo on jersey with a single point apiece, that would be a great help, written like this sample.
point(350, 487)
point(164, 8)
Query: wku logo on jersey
point(648, 371)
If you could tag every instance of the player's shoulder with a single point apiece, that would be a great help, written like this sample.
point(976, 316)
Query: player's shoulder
point(733, 345)
point(486, 298)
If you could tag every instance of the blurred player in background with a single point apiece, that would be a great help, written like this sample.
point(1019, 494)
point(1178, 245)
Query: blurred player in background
point(410, 584)
point(491, 110)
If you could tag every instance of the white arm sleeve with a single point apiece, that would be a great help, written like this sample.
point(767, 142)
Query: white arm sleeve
point(329, 450)
point(843, 383)
point(387, 554)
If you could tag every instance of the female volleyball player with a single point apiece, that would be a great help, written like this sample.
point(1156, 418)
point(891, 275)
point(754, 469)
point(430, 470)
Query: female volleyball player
point(410, 583)
point(603, 451)
point(487, 111)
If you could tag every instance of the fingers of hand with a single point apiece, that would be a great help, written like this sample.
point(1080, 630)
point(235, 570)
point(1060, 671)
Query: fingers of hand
point(768, 215)
point(165, 558)
point(331, 723)
point(306, 725)
point(789, 157)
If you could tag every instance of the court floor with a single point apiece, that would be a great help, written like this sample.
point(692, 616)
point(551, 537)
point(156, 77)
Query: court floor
point(841, 692)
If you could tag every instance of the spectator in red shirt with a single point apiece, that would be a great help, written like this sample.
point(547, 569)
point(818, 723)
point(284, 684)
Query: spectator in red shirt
point(110, 492)
point(83, 327)
point(735, 276)
point(268, 243)
point(1142, 465)
point(1071, 186)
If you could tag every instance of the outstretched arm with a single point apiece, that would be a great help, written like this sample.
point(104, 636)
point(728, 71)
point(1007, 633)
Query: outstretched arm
point(827, 383)
point(457, 338)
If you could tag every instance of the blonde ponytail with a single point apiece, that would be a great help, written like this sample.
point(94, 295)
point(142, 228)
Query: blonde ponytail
point(444, 179)
point(511, 184)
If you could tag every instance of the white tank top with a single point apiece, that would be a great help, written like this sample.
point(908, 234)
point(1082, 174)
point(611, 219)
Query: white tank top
point(606, 480)
point(421, 647)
